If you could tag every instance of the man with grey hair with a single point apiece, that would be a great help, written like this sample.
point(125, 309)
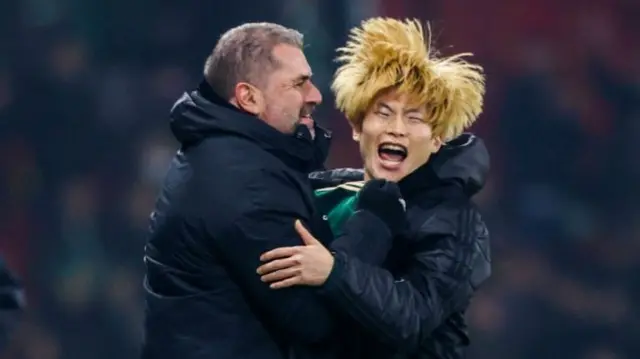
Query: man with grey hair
point(241, 63)
point(234, 191)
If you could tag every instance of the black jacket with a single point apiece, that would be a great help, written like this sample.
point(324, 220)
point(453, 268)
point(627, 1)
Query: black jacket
point(233, 191)
point(11, 302)
point(413, 304)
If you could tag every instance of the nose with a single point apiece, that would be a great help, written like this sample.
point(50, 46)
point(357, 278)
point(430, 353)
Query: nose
point(397, 126)
point(313, 95)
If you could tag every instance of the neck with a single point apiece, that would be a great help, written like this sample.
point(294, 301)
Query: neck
point(367, 175)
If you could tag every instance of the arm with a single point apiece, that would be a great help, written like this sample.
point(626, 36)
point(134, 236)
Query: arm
point(291, 309)
point(404, 312)
point(264, 220)
point(365, 237)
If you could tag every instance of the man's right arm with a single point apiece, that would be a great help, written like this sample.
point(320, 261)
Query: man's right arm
point(265, 221)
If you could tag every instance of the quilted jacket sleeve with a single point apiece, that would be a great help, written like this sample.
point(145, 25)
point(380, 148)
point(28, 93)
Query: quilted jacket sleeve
point(335, 177)
point(403, 312)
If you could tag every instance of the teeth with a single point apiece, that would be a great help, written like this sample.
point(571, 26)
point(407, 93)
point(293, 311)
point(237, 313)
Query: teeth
point(393, 147)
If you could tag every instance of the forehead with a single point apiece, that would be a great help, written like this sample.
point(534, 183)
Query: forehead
point(394, 98)
point(292, 61)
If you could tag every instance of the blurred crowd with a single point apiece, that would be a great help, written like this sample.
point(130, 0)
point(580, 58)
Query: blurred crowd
point(85, 91)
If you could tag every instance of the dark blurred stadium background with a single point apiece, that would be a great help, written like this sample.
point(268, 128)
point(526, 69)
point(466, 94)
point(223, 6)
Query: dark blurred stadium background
point(86, 86)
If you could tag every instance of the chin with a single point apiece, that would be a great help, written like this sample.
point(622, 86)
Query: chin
point(393, 176)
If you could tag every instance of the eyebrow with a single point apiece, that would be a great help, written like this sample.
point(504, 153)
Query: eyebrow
point(383, 105)
point(413, 110)
point(304, 77)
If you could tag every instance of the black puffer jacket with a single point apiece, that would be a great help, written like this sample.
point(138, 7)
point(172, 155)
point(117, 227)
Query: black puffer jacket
point(233, 192)
point(11, 302)
point(413, 305)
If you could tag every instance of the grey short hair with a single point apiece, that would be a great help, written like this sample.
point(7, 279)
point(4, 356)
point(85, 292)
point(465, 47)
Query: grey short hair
point(245, 54)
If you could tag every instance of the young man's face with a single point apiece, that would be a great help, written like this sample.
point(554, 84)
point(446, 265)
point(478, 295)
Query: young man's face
point(395, 138)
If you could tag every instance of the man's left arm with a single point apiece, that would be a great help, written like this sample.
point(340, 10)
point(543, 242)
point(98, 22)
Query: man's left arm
point(403, 312)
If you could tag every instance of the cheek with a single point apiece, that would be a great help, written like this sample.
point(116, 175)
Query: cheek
point(421, 150)
point(421, 158)
point(270, 102)
point(283, 99)
point(364, 145)
point(293, 97)
point(291, 102)
point(277, 107)
point(366, 142)
point(370, 131)
point(364, 149)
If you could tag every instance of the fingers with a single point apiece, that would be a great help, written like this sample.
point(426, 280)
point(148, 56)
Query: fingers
point(279, 264)
point(281, 274)
point(306, 236)
point(290, 282)
point(281, 252)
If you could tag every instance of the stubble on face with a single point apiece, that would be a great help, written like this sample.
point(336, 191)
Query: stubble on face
point(286, 103)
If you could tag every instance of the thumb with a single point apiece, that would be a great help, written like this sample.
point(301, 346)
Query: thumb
point(306, 236)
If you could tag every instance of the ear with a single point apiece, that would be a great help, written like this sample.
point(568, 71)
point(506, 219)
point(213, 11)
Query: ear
point(249, 98)
point(355, 133)
point(436, 143)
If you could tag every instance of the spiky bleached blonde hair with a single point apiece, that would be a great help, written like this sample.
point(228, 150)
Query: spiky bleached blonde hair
point(386, 53)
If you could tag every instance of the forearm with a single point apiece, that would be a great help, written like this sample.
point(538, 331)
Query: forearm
point(393, 310)
point(365, 237)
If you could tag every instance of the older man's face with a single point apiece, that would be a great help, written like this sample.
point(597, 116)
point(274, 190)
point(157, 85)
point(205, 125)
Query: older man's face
point(289, 94)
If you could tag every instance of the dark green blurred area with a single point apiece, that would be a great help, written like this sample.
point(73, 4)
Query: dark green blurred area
point(85, 90)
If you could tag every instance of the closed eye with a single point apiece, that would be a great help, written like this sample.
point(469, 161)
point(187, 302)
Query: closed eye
point(384, 110)
point(302, 80)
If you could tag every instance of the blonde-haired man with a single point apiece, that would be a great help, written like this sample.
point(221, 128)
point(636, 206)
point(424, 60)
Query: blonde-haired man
point(407, 108)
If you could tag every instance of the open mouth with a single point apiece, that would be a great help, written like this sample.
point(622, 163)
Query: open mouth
point(392, 152)
point(306, 112)
point(307, 120)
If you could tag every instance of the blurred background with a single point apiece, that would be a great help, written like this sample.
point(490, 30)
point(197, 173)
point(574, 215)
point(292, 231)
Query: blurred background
point(85, 91)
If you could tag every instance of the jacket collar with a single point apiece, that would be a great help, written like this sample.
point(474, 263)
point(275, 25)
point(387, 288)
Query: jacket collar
point(202, 113)
point(460, 167)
